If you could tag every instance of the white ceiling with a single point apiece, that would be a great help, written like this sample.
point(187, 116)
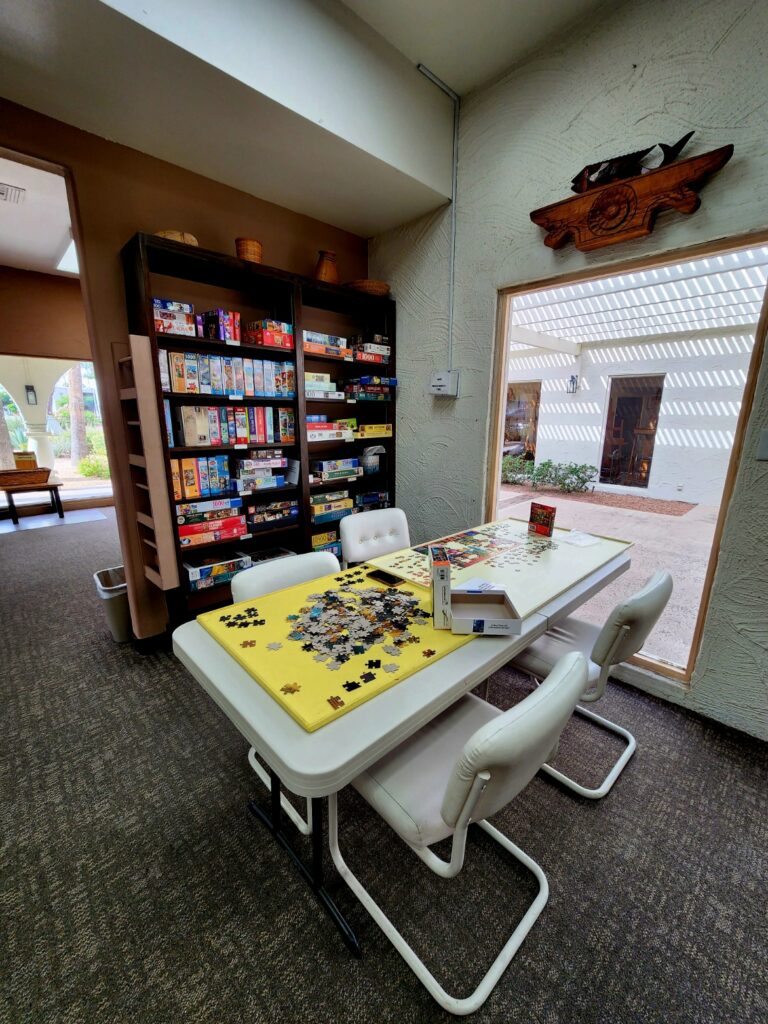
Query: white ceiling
point(35, 232)
point(710, 294)
point(467, 43)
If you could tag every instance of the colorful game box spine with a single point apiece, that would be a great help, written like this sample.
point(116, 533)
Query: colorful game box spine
point(241, 425)
point(228, 376)
point(169, 322)
point(217, 381)
point(211, 526)
point(269, 425)
point(232, 426)
point(329, 517)
point(239, 375)
point(210, 570)
point(168, 422)
point(196, 507)
point(190, 480)
point(204, 374)
point(178, 377)
point(172, 306)
point(287, 426)
point(178, 494)
point(258, 378)
point(542, 519)
point(165, 376)
point(202, 476)
point(440, 566)
point(250, 390)
point(214, 427)
point(269, 379)
point(214, 535)
point(224, 426)
point(213, 477)
point(190, 373)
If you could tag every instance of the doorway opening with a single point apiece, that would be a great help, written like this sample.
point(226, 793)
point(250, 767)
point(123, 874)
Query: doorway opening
point(641, 375)
point(50, 413)
point(630, 435)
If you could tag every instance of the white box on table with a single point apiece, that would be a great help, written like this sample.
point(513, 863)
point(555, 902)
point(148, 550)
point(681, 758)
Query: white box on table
point(487, 612)
point(440, 567)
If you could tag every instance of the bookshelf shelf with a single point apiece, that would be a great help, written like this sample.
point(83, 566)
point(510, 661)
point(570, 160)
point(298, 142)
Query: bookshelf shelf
point(158, 267)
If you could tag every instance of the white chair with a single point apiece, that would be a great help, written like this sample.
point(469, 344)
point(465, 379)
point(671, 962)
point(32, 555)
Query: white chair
point(623, 634)
point(264, 578)
point(370, 534)
point(463, 767)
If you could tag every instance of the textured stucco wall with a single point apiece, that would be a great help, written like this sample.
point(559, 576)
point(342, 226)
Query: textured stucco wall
point(704, 378)
point(637, 73)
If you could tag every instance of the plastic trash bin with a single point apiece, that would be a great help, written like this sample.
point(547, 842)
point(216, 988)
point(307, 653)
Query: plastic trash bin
point(111, 586)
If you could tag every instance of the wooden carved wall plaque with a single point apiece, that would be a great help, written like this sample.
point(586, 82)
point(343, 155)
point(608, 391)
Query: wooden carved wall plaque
point(621, 210)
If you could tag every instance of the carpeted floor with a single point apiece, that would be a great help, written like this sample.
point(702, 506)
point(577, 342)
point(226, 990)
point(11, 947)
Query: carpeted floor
point(137, 888)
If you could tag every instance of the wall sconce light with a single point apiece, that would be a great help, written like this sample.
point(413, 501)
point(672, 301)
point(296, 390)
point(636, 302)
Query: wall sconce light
point(31, 394)
point(572, 384)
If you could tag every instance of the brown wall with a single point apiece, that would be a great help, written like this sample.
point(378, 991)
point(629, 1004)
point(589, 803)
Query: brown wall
point(119, 191)
point(42, 315)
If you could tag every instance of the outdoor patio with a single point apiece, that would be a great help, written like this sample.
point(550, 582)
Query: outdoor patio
point(678, 543)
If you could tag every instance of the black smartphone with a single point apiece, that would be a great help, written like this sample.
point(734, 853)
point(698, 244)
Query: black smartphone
point(385, 577)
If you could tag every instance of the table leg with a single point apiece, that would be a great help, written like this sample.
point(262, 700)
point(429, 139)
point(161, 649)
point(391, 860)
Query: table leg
point(57, 502)
point(12, 508)
point(314, 877)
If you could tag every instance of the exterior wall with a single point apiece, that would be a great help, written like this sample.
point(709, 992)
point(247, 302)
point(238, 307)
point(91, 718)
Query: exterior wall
point(629, 77)
point(703, 383)
point(42, 315)
point(118, 192)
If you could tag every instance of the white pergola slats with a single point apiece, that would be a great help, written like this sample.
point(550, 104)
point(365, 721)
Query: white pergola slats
point(718, 292)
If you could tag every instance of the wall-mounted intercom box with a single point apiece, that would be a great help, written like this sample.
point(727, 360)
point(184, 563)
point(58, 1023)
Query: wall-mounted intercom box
point(444, 382)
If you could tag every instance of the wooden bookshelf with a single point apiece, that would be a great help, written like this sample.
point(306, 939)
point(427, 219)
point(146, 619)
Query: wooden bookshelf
point(158, 267)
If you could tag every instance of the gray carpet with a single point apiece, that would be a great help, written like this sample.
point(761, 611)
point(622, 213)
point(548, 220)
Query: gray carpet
point(136, 887)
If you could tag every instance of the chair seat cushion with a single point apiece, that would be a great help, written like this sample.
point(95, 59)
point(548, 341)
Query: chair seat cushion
point(407, 786)
point(570, 635)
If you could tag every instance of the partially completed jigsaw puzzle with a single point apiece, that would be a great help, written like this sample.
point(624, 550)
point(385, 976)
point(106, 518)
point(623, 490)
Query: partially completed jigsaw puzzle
point(324, 647)
point(532, 569)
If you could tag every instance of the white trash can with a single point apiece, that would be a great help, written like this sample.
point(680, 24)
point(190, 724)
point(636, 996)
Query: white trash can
point(111, 586)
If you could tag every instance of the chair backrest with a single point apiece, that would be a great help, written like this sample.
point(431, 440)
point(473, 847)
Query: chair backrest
point(279, 573)
point(514, 746)
point(627, 627)
point(370, 534)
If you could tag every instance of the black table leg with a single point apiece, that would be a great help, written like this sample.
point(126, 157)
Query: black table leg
point(314, 877)
point(12, 508)
point(57, 502)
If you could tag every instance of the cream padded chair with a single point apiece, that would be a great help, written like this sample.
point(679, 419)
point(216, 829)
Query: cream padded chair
point(280, 573)
point(623, 634)
point(370, 534)
point(463, 767)
point(264, 578)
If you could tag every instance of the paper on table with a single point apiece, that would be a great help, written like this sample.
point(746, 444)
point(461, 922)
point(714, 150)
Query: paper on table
point(580, 539)
point(477, 584)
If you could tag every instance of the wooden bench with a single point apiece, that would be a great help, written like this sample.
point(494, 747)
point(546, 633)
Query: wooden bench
point(53, 494)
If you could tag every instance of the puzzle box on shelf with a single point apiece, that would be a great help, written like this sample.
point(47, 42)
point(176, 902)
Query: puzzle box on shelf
point(483, 609)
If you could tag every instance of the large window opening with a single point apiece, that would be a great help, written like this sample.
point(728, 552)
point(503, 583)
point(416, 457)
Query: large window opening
point(630, 431)
point(623, 393)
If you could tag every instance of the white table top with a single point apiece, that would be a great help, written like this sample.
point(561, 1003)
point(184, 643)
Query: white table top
point(322, 762)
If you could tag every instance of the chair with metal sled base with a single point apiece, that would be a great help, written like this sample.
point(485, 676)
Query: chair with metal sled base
point(623, 635)
point(463, 767)
point(265, 578)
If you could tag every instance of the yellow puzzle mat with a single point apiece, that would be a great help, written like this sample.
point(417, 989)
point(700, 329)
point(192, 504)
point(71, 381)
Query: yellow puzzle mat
point(532, 569)
point(324, 647)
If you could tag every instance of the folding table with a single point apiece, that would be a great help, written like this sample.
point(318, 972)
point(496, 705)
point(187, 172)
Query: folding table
point(317, 764)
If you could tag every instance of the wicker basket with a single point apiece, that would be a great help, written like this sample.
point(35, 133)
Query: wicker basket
point(178, 236)
point(248, 249)
point(20, 477)
point(379, 288)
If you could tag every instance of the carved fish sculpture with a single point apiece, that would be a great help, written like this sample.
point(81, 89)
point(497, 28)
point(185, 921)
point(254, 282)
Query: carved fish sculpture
point(628, 166)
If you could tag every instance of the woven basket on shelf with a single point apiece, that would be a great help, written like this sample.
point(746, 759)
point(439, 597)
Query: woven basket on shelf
point(178, 236)
point(380, 288)
point(248, 249)
point(20, 477)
